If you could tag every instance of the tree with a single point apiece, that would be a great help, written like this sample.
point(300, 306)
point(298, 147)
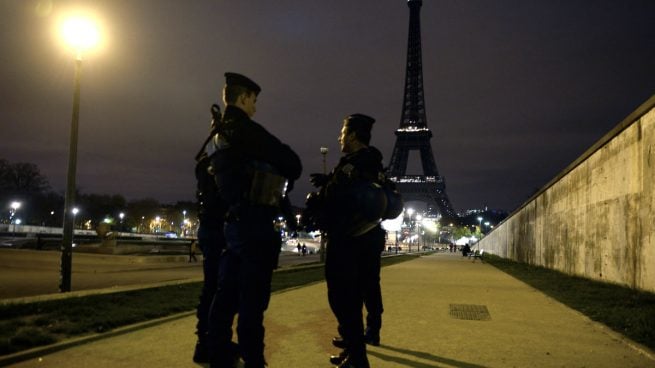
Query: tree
point(21, 179)
point(461, 231)
point(97, 207)
point(140, 212)
point(22, 182)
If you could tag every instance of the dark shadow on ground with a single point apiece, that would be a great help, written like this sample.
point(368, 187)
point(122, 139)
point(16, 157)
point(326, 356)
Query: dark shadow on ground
point(420, 355)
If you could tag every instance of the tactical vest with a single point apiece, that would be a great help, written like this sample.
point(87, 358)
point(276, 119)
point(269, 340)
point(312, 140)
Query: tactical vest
point(240, 181)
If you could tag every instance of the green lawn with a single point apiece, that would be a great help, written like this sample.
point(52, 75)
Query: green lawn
point(624, 310)
point(27, 325)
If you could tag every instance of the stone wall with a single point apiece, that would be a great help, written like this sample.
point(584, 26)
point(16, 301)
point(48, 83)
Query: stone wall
point(597, 218)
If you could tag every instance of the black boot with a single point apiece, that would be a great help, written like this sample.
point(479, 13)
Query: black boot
point(339, 342)
point(372, 337)
point(338, 359)
point(201, 352)
point(355, 361)
point(226, 358)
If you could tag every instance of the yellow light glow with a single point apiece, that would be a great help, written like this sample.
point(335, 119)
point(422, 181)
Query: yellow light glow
point(80, 33)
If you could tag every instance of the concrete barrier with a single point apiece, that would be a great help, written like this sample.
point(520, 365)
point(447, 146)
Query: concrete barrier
point(596, 219)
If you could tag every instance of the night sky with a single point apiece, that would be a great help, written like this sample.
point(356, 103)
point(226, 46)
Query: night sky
point(515, 90)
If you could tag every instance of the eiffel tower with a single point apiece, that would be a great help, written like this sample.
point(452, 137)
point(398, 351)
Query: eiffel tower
point(414, 134)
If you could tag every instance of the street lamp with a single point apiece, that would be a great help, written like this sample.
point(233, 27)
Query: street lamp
point(183, 225)
point(410, 212)
point(480, 222)
point(15, 205)
point(75, 211)
point(81, 34)
point(324, 152)
point(418, 232)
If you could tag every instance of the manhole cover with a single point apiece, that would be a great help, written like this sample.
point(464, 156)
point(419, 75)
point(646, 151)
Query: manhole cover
point(470, 312)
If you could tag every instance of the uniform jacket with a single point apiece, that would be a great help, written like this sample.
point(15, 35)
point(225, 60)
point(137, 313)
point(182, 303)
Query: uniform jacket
point(241, 140)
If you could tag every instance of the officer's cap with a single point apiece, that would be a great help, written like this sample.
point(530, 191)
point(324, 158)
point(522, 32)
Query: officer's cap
point(235, 79)
point(359, 122)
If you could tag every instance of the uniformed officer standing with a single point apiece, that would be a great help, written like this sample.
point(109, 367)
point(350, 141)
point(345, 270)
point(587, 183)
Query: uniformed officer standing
point(351, 210)
point(252, 168)
point(211, 216)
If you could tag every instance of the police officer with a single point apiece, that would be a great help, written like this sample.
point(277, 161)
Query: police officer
point(251, 168)
point(211, 213)
point(352, 206)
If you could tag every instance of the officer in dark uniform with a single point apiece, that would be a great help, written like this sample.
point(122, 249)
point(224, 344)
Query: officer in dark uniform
point(211, 216)
point(352, 205)
point(252, 168)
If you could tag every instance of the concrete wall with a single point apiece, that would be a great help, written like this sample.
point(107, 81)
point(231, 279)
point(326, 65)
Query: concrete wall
point(597, 218)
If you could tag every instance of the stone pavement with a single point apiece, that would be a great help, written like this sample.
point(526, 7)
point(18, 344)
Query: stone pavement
point(422, 299)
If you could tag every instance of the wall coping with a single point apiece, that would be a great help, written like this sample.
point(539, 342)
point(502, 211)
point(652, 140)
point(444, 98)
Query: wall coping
point(623, 125)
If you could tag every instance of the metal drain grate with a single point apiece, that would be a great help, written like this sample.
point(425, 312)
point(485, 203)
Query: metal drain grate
point(470, 312)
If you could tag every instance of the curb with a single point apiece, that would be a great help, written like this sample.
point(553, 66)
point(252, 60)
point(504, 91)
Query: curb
point(49, 349)
point(38, 352)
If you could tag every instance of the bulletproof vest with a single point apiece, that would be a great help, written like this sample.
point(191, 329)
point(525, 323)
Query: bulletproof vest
point(245, 181)
point(229, 174)
point(267, 186)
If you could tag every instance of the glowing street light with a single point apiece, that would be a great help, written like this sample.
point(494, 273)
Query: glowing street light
point(81, 34)
point(324, 152)
point(15, 205)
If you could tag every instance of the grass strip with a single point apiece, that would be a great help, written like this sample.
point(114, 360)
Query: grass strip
point(627, 311)
point(28, 325)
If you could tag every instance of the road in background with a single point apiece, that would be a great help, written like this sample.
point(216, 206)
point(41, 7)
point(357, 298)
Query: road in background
point(26, 273)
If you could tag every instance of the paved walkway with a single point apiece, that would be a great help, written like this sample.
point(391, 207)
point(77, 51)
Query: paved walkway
point(525, 329)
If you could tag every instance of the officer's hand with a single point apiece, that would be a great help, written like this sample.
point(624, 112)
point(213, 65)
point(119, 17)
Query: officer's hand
point(318, 180)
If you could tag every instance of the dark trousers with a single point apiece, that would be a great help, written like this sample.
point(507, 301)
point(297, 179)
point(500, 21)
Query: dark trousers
point(352, 272)
point(244, 287)
point(211, 242)
point(372, 289)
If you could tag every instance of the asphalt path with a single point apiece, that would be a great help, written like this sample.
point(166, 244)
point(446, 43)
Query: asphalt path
point(440, 310)
point(27, 273)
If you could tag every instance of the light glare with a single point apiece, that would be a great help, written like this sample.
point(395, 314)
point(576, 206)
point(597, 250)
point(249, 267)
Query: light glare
point(80, 33)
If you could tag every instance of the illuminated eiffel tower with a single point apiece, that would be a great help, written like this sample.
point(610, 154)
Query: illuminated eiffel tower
point(414, 134)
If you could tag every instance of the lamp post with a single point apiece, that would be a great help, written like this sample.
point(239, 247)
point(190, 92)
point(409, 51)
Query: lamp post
point(324, 151)
point(81, 34)
point(184, 226)
point(419, 218)
point(15, 205)
point(410, 212)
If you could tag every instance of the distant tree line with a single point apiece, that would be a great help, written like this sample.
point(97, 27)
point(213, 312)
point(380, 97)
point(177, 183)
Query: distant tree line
point(40, 205)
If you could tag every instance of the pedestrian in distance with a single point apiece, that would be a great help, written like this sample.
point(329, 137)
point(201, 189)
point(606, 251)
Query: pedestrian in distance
point(193, 248)
point(354, 241)
point(254, 172)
